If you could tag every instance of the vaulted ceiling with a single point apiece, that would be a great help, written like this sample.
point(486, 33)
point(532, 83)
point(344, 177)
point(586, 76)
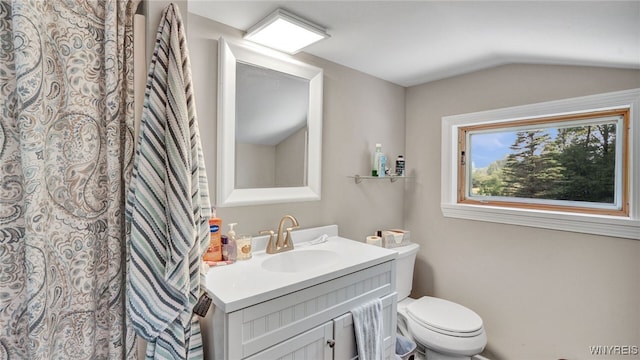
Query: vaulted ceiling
point(413, 42)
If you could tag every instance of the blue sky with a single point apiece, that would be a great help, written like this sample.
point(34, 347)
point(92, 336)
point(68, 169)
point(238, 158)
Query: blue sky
point(490, 147)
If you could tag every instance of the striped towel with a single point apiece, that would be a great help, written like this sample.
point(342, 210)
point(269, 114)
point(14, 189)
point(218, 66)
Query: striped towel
point(367, 325)
point(168, 204)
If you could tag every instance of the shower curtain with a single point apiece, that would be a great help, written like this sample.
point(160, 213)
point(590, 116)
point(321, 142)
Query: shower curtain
point(66, 125)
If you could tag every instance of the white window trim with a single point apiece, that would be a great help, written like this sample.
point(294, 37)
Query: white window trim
point(625, 227)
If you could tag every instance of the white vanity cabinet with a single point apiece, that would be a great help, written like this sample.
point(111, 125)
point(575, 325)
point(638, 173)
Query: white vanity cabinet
point(303, 324)
point(303, 316)
point(333, 340)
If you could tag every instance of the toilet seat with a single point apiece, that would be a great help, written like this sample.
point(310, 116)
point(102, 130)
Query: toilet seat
point(445, 317)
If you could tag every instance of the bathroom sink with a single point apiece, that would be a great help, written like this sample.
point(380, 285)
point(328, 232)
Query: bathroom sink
point(299, 260)
point(311, 262)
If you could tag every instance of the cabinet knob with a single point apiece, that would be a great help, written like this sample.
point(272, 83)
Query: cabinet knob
point(331, 343)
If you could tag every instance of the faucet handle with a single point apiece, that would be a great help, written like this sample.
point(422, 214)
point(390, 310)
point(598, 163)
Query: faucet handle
point(288, 242)
point(271, 245)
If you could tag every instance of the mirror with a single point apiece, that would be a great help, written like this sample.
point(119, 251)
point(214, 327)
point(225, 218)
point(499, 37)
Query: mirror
point(269, 127)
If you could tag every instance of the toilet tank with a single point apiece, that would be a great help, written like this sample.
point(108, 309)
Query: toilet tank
point(404, 269)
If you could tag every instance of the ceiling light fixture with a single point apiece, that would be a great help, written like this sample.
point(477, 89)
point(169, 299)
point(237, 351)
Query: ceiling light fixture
point(286, 32)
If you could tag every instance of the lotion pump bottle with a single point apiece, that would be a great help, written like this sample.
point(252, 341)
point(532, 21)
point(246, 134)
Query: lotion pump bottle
point(214, 252)
point(232, 249)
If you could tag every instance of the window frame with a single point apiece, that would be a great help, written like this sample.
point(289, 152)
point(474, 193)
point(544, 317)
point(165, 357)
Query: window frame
point(621, 207)
point(626, 225)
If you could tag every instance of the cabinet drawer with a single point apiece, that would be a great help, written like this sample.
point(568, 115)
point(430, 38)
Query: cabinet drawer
point(344, 333)
point(257, 327)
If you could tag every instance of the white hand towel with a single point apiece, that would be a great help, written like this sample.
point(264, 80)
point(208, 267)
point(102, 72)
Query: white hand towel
point(367, 322)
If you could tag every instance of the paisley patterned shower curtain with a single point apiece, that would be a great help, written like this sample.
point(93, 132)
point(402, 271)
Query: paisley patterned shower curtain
point(66, 125)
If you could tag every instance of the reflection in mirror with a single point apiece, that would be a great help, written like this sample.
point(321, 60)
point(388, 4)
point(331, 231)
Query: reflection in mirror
point(269, 127)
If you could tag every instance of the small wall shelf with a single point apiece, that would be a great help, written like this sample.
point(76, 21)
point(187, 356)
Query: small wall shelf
point(393, 178)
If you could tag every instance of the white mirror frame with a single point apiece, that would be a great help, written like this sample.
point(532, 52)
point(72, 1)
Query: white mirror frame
point(227, 195)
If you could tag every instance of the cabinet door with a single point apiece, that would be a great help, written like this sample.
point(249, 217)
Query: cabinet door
point(311, 345)
point(345, 344)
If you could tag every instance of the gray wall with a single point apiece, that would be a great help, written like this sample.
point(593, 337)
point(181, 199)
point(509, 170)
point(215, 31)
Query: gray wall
point(359, 111)
point(543, 294)
point(153, 9)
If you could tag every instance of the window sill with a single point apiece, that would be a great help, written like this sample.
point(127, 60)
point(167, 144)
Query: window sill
point(582, 223)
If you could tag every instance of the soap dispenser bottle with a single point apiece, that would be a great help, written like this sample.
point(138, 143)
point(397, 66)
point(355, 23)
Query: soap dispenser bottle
point(232, 249)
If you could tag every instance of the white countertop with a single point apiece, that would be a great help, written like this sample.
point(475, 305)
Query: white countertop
point(246, 283)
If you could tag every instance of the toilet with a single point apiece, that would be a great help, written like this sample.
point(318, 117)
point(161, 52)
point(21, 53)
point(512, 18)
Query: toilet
point(442, 330)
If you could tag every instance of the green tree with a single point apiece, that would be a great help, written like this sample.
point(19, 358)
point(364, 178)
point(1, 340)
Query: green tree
point(488, 181)
point(532, 169)
point(588, 159)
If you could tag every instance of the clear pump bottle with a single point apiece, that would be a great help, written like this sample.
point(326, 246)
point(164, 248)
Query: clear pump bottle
point(232, 249)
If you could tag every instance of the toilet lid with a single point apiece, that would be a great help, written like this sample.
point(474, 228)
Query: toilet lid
point(444, 315)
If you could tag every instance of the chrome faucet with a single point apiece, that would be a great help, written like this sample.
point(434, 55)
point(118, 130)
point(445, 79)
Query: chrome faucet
point(279, 244)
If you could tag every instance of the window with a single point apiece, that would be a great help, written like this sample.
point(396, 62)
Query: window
point(566, 165)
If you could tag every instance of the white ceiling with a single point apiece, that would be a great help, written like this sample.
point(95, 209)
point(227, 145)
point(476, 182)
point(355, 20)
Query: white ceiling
point(413, 42)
